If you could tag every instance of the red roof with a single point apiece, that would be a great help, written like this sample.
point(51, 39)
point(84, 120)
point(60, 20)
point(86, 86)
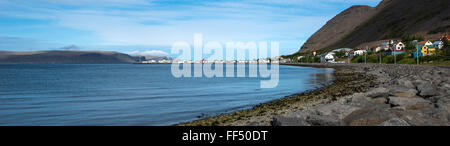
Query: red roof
point(423, 42)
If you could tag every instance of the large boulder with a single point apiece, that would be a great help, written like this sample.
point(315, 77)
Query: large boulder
point(406, 83)
point(369, 116)
point(378, 93)
point(403, 92)
point(444, 88)
point(444, 105)
point(426, 89)
point(426, 117)
point(363, 101)
point(336, 109)
point(403, 102)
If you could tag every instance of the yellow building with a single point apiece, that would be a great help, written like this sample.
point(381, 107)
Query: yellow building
point(428, 50)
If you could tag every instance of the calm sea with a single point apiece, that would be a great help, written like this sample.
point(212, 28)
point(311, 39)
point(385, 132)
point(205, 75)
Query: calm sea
point(129, 94)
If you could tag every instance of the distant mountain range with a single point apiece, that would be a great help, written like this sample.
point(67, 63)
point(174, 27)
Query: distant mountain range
point(389, 20)
point(7, 57)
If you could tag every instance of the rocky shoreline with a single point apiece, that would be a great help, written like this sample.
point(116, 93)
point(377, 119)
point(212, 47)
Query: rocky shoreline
point(362, 95)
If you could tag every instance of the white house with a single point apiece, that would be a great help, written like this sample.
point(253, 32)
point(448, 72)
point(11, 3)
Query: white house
point(378, 49)
point(398, 46)
point(360, 52)
point(438, 44)
point(329, 56)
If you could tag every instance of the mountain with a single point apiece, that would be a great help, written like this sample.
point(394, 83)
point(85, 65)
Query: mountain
point(389, 20)
point(7, 57)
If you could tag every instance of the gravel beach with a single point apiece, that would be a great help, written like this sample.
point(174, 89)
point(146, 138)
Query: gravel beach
point(361, 95)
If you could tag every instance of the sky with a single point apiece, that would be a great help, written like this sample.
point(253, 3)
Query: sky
point(150, 27)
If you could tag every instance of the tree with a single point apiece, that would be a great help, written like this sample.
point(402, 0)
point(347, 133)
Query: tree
point(446, 48)
point(408, 41)
point(340, 54)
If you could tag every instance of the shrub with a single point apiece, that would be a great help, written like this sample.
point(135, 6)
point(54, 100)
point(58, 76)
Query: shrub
point(358, 59)
point(388, 59)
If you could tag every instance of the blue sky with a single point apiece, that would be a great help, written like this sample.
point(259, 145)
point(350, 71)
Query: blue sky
point(150, 27)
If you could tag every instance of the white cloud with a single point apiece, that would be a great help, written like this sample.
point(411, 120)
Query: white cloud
point(148, 53)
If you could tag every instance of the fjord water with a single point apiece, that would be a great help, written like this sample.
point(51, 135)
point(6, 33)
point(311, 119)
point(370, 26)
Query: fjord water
point(130, 94)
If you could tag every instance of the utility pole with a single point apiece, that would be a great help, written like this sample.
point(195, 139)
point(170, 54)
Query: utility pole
point(395, 54)
point(417, 54)
point(395, 58)
point(380, 56)
point(365, 55)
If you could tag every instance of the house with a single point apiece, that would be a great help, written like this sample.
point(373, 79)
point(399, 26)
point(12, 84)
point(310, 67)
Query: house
point(426, 43)
point(399, 46)
point(427, 49)
point(378, 49)
point(360, 52)
point(350, 53)
point(385, 46)
point(438, 44)
point(314, 52)
point(330, 56)
point(396, 48)
point(285, 60)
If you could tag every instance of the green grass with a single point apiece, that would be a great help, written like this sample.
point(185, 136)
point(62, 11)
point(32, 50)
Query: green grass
point(407, 61)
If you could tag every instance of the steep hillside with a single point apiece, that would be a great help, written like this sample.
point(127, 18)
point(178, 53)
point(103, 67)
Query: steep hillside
point(338, 27)
point(390, 19)
point(64, 57)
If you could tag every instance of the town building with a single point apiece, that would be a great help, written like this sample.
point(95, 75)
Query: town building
point(399, 46)
point(426, 43)
point(330, 56)
point(359, 52)
point(438, 44)
point(427, 49)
